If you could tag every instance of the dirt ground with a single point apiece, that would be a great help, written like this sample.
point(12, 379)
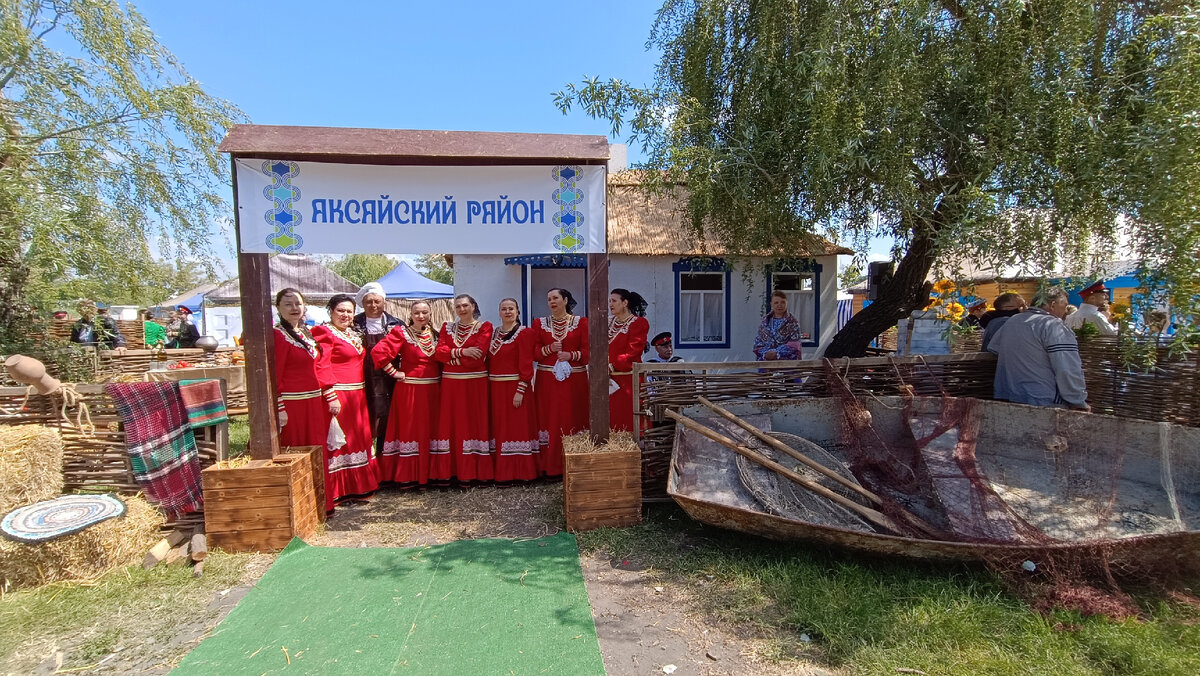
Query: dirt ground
point(646, 623)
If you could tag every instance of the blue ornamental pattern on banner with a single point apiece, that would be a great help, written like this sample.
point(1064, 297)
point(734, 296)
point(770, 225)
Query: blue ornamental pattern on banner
point(567, 218)
point(282, 216)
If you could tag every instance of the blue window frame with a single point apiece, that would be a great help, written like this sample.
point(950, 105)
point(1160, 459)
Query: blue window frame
point(702, 296)
point(800, 281)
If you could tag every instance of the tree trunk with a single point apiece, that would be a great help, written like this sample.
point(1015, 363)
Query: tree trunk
point(908, 291)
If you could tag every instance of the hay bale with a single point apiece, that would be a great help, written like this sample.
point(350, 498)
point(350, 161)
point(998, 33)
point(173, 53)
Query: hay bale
point(84, 555)
point(31, 462)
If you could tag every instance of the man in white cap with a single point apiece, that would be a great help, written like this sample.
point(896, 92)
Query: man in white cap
point(374, 324)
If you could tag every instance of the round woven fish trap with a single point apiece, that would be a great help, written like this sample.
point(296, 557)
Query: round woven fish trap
point(86, 554)
point(784, 497)
point(31, 462)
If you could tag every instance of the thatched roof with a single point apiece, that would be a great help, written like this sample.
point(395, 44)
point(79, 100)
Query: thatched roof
point(315, 281)
point(644, 225)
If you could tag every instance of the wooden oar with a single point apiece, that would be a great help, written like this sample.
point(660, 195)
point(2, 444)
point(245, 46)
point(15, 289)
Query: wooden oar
point(812, 464)
point(784, 448)
point(875, 517)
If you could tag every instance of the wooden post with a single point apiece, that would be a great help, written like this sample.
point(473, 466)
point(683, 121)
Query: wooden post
point(597, 270)
point(258, 341)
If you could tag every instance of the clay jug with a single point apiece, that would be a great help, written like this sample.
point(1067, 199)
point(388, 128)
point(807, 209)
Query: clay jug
point(29, 371)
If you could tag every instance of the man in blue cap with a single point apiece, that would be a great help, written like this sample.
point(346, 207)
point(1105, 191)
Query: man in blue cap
point(1094, 297)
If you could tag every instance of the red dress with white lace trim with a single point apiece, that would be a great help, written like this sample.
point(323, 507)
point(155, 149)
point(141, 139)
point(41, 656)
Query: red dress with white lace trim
point(413, 415)
point(626, 341)
point(350, 469)
point(303, 382)
point(514, 429)
point(562, 405)
point(461, 447)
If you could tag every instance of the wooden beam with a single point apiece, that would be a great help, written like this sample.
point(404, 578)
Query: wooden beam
point(597, 270)
point(258, 341)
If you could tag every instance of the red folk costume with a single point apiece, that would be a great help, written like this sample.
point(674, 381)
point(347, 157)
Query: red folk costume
point(350, 469)
point(461, 449)
point(562, 405)
point(413, 416)
point(626, 341)
point(514, 430)
point(305, 387)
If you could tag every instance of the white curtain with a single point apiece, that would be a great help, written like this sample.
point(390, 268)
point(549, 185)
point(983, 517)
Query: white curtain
point(689, 318)
point(714, 317)
point(800, 304)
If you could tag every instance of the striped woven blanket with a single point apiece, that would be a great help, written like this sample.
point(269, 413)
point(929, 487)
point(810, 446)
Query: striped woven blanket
point(203, 401)
point(162, 449)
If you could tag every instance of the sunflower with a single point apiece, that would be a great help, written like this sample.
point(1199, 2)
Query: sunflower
point(956, 311)
point(943, 287)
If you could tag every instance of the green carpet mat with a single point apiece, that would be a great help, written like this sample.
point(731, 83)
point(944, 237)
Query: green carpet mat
point(464, 608)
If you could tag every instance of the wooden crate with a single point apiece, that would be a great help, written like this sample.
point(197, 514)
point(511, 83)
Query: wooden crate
point(316, 455)
point(602, 489)
point(260, 506)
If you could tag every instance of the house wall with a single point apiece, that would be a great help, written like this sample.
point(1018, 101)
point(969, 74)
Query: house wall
point(488, 280)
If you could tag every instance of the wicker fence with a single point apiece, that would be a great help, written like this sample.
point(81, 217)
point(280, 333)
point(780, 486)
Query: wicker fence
point(1170, 393)
point(98, 461)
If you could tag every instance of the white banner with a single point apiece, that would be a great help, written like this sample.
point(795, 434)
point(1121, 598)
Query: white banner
point(323, 208)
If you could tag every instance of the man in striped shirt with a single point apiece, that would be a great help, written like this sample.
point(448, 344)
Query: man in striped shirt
point(1038, 356)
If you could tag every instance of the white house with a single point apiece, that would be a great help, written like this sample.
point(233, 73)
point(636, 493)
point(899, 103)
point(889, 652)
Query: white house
point(710, 301)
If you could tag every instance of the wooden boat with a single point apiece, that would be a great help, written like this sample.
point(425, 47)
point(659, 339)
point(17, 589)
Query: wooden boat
point(1121, 488)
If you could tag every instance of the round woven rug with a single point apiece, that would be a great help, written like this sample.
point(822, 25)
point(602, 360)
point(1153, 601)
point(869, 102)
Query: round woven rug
point(64, 515)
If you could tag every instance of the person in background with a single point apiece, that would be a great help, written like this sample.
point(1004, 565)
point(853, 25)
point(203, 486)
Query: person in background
point(98, 331)
point(462, 449)
point(374, 324)
point(1006, 305)
point(779, 333)
point(350, 469)
point(664, 351)
point(1037, 357)
point(975, 311)
point(514, 418)
point(307, 400)
point(153, 333)
point(627, 330)
point(181, 332)
point(406, 355)
point(562, 379)
point(1094, 298)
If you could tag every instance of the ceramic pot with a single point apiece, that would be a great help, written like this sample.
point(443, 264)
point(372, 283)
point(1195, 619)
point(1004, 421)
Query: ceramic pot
point(29, 371)
point(207, 343)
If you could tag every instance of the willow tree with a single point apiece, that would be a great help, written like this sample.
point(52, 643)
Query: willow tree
point(1008, 132)
point(106, 145)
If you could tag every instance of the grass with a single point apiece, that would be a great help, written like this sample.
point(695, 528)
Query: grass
point(873, 616)
point(123, 611)
point(239, 435)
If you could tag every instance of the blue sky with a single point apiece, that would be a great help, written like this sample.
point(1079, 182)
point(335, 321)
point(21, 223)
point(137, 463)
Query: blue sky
point(474, 66)
point(431, 65)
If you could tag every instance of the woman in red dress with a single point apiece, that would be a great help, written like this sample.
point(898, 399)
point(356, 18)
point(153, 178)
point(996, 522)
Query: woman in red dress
point(307, 401)
point(562, 397)
point(350, 470)
point(414, 409)
point(514, 419)
point(627, 330)
point(461, 448)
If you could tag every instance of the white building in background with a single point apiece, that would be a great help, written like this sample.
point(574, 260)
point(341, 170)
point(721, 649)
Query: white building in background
point(711, 302)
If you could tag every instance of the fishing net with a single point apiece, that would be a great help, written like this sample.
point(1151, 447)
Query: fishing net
point(1070, 509)
point(784, 497)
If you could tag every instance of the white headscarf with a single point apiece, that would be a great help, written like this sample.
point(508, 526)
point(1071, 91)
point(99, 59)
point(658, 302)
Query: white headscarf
point(367, 289)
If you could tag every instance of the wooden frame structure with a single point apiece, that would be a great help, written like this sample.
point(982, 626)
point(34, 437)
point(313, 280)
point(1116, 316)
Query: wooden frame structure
point(396, 147)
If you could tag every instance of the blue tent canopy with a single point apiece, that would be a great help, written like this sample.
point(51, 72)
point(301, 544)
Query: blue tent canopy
point(405, 282)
